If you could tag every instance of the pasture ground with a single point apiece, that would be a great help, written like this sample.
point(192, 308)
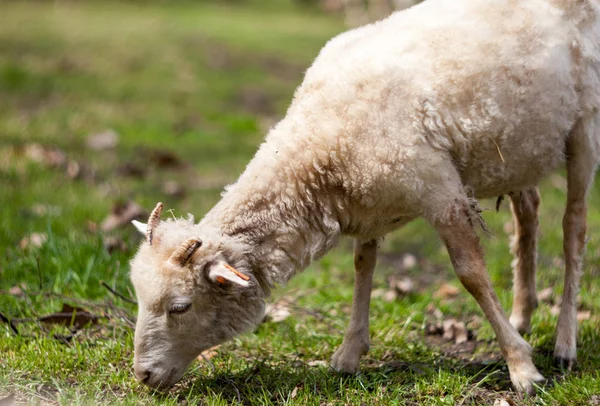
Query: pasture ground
point(189, 89)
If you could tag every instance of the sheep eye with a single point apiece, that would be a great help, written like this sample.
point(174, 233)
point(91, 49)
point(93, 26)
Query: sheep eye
point(178, 308)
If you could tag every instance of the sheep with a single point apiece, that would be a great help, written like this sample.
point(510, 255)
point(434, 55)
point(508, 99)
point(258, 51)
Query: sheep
point(418, 115)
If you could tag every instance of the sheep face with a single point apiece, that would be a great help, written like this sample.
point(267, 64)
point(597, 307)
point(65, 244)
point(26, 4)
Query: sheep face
point(190, 298)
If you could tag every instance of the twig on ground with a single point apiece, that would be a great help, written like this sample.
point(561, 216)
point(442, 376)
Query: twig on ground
point(10, 323)
point(117, 294)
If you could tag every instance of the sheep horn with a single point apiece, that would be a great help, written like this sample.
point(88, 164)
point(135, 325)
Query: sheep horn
point(184, 253)
point(153, 221)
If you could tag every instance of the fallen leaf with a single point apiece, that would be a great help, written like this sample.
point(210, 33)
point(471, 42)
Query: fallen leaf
point(48, 156)
point(75, 316)
point(104, 140)
point(409, 261)
point(432, 329)
point(122, 214)
point(545, 295)
point(450, 329)
point(446, 291)
point(502, 402)
point(317, 363)
point(390, 295)
point(377, 293)
point(73, 169)
point(403, 286)
point(208, 354)
point(583, 315)
point(278, 311)
point(16, 290)
point(33, 240)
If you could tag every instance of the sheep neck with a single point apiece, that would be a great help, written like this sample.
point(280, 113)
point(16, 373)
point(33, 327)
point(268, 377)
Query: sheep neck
point(284, 220)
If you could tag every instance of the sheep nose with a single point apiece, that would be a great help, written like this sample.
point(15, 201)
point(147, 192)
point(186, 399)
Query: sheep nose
point(143, 375)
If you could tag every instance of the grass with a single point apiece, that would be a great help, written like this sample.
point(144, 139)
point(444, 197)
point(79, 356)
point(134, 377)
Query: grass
point(202, 82)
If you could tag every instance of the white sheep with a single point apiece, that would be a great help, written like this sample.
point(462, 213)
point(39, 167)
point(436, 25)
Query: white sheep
point(414, 116)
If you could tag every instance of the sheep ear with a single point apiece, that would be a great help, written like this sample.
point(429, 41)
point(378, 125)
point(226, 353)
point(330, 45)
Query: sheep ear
point(222, 273)
point(141, 227)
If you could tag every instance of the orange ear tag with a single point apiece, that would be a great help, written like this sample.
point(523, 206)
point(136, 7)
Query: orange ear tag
point(220, 279)
point(238, 273)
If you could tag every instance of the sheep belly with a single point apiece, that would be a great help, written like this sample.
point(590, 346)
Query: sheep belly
point(492, 170)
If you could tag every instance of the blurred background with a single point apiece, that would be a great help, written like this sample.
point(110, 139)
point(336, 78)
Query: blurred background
point(108, 107)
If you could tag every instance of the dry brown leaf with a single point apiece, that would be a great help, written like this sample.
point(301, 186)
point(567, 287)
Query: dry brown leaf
point(278, 311)
point(446, 291)
point(75, 316)
point(73, 169)
point(455, 330)
point(122, 214)
point(16, 290)
point(545, 295)
point(48, 156)
point(208, 354)
point(503, 402)
point(377, 293)
point(390, 295)
point(409, 261)
point(583, 315)
point(105, 140)
point(317, 363)
point(433, 329)
point(402, 286)
point(33, 240)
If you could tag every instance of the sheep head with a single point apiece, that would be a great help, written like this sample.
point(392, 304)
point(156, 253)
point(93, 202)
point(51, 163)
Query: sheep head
point(194, 291)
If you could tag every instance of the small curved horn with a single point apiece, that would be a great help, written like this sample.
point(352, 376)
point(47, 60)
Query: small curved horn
point(153, 221)
point(183, 254)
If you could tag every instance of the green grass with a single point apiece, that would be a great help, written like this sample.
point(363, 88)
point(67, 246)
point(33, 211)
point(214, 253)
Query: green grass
point(203, 81)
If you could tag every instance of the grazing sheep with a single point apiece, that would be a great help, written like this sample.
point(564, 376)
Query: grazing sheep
point(414, 116)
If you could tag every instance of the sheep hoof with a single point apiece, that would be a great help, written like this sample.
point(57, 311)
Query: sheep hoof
point(526, 379)
point(346, 361)
point(565, 363)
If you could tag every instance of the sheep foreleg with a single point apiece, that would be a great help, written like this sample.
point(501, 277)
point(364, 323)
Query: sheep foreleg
point(356, 340)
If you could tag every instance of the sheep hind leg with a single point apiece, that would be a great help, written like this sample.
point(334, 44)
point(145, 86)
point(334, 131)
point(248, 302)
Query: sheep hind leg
point(524, 206)
point(581, 165)
point(356, 339)
point(455, 225)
